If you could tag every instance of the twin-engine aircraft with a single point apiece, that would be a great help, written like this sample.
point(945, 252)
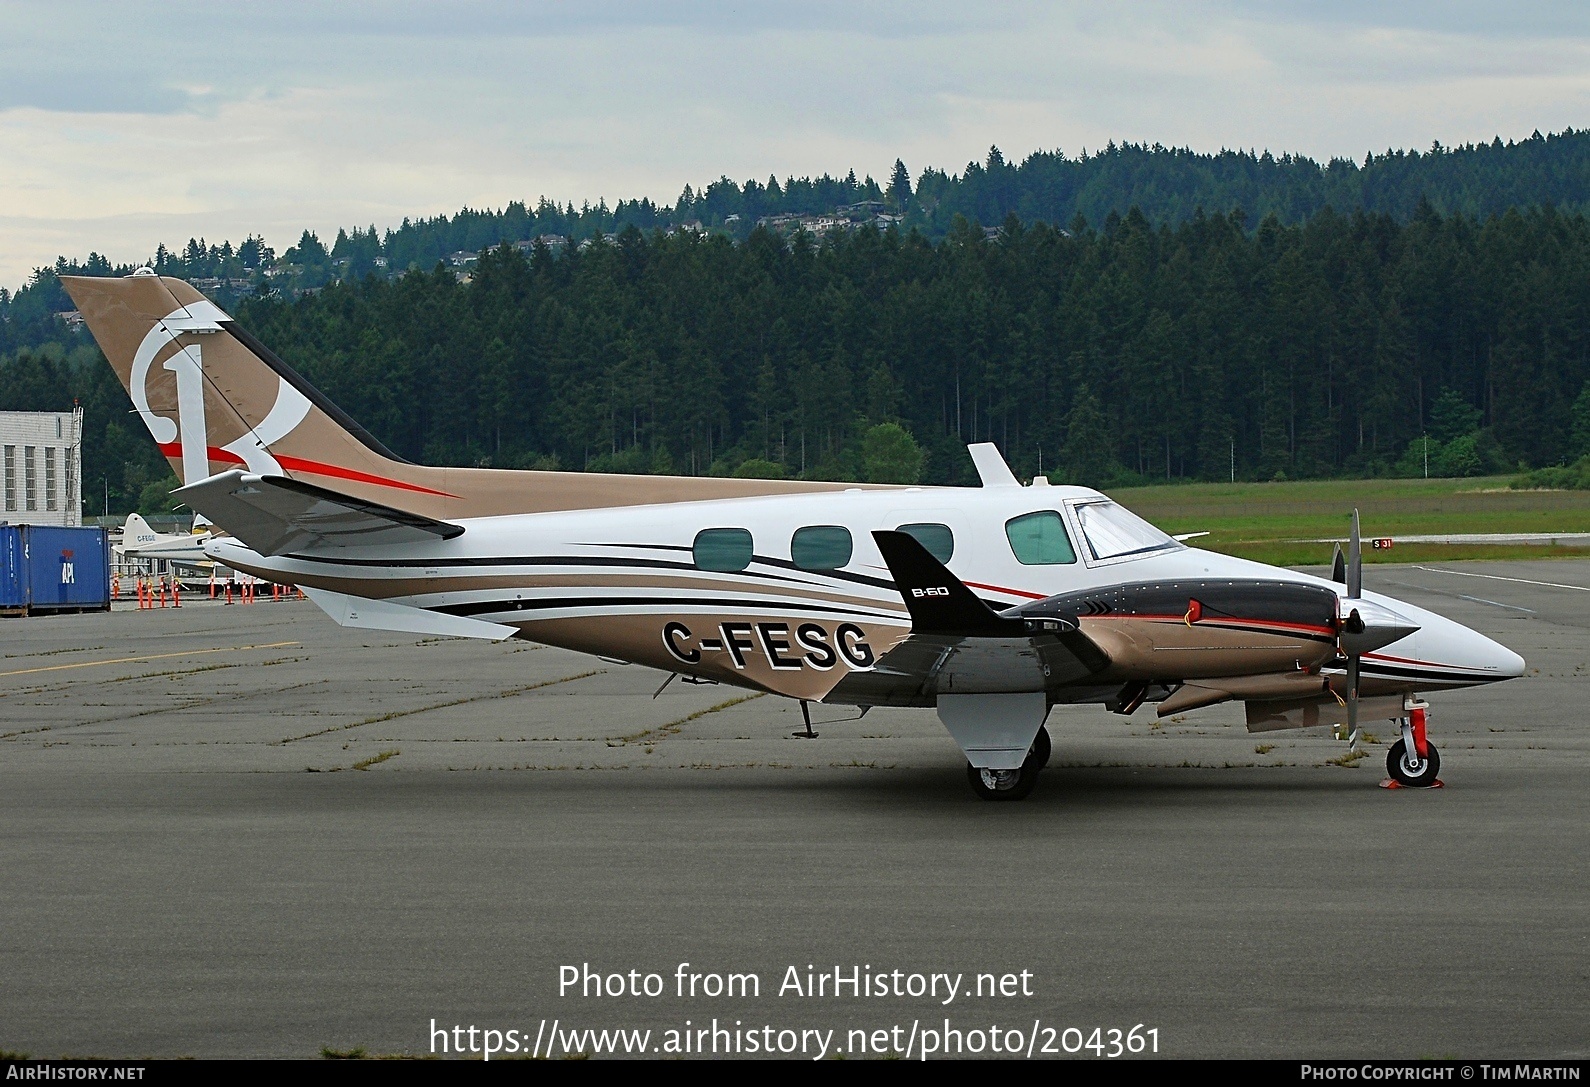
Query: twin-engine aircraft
point(989, 604)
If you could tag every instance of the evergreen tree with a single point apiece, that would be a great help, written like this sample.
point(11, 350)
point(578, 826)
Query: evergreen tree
point(890, 455)
point(1579, 440)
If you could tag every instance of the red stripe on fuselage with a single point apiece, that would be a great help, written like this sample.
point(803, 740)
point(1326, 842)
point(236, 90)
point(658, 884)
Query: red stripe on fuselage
point(1002, 589)
point(1419, 663)
point(297, 464)
point(312, 467)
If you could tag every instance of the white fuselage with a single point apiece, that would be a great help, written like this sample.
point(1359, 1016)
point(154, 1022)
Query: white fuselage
point(634, 561)
point(165, 546)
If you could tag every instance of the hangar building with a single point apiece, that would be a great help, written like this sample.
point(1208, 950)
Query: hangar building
point(41, 466)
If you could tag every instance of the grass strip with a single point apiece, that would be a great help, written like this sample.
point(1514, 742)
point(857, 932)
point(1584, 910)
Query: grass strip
point(365, 764)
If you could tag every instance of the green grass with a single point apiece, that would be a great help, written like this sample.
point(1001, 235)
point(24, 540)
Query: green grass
point(365, 764)
point(1266, 521)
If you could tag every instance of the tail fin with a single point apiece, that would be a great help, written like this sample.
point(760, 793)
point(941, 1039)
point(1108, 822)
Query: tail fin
point(137, 533)
point(214, 398)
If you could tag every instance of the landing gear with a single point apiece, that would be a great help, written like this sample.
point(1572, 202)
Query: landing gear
point(1012, 784)
point(1408, 770)
point(1413, 762)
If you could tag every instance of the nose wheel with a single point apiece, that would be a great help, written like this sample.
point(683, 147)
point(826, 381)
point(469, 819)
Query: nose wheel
point(1012, 784)
point(1410, 771)
point(1413, 762)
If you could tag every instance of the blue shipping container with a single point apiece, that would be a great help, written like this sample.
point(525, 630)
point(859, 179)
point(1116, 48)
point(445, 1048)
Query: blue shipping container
point(44, 568)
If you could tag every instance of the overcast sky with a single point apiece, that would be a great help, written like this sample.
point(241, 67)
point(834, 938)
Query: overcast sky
point(126, 124)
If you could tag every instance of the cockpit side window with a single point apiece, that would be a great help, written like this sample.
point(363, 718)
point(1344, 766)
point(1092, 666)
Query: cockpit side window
point(1039, 539)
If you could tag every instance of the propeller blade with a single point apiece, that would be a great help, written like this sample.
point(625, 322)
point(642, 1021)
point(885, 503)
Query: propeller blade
point(1339, 566)
point(1355, 562)
point(1351, 574)
point(1352, 700)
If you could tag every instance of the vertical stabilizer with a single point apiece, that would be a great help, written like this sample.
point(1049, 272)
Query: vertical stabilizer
point(214, 398)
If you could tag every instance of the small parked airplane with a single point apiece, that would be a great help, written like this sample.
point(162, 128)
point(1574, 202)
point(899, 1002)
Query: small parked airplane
point(990, 604)
point(139, 541)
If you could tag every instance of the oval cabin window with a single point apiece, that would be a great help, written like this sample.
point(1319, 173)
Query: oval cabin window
point(722, 550)
point(821, 547)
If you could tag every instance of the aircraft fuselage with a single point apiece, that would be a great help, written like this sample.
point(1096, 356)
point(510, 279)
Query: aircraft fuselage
point(643, 584)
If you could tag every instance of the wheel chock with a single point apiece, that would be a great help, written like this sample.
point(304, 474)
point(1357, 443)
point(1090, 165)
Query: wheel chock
point(1389, 783)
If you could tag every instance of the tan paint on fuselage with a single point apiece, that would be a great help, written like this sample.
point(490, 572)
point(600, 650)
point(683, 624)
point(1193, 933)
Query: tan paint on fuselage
point(639, 638)
point(1154, 650)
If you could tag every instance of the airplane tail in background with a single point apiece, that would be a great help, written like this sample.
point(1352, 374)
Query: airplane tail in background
point(216, 399)
point(136, 532)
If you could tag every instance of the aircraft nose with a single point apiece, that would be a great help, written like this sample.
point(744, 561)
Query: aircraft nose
point(1508, 665)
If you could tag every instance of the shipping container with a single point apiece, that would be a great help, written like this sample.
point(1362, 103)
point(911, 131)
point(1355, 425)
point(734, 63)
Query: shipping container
point(47, 569)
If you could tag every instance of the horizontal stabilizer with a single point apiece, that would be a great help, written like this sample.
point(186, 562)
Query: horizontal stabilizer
point(367, 614)
point(274, 515)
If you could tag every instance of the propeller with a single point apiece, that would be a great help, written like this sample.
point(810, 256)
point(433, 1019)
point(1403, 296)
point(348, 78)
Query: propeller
point(1355, 591)
point(1366, 627)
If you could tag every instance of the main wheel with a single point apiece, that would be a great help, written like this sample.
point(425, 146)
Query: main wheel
point(1011, 784)
point(1003, 784)
point(1401, 766)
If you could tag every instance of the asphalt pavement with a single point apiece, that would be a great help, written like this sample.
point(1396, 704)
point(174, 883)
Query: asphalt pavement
point(244, 831)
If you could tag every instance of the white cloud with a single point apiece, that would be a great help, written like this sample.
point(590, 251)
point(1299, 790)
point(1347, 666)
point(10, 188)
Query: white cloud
point(154, 123)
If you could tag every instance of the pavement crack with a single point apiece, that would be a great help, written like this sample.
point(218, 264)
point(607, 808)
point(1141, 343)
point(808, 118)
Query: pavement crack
point(662, 732)
point(395, 714)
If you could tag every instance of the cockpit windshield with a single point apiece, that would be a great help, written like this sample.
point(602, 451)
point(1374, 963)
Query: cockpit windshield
point(1114, 532)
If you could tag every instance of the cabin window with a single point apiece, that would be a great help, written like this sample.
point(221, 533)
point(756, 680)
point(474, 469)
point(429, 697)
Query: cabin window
point(821, 547)
point(1039, 539)
point(938, 539)
point(724, 550)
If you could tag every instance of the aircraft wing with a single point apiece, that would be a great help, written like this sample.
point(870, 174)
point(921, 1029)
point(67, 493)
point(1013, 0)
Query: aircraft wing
point(274, 515)
point(959, 645)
